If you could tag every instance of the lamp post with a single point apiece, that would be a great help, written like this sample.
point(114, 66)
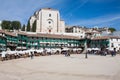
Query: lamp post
point(21, 42)
point(86, 56)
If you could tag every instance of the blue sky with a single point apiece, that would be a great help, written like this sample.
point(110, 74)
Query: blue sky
point(90, 13)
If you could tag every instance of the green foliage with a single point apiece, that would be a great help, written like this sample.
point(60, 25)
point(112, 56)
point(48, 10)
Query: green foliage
point(23, 28)
point(11, 25)
point(112, 29)
point(28, 26)
point(34, 26)
point(15, 25)
point(6, 24)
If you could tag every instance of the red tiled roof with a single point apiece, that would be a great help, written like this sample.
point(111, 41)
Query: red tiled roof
point(106, 37)
point(2, 31)
point(53, 36)
point(8, 33)
point(49, 35)
point(90, 32)
point(11, 34)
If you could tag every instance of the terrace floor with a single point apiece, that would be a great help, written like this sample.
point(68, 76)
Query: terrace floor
point(59, 67)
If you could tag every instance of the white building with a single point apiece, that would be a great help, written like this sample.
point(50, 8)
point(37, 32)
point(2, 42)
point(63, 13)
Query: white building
point(82, 32)
point(114, 43)
point(108, 42)
point(75, 31)
point(92, 34)
point(48, 21)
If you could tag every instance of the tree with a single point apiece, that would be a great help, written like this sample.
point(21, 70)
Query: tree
point(6, 24)
point(112, 29)
point(34, 26)
point(28, 26)
point(23, 28)
point(11, 25)
point(15, 25)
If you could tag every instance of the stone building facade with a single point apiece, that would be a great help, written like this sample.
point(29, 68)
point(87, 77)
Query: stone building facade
point(48, 21)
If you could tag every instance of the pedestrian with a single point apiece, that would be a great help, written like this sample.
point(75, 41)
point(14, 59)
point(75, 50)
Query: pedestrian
point(112, 53)
point(31, 55)
point(3, 56)
point(65, 53)
point(105, 53)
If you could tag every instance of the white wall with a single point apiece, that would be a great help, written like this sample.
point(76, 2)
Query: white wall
point(46, 23)
point(62, 27)
point(32, 21)
point(116, 44)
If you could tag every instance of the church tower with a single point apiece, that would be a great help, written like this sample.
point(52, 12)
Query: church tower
point(48, 21)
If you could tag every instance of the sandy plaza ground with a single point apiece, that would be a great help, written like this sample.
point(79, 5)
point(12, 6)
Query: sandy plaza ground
point(59, 67)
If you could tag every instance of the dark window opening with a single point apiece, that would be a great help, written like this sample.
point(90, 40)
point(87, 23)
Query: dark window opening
point(49, 22)
point(49, 15)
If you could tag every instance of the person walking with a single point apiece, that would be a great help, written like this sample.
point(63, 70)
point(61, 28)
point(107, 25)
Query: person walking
point(112, 53)
point(3, 55)
point(31, 55)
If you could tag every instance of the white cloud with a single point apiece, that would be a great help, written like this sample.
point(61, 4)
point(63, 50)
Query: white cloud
point(100, 1)
point(103, 20)
point(73, 9)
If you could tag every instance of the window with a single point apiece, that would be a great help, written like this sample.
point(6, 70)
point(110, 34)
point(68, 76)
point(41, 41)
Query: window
point(49, 22)
point(75, 31)
point(117, 39)
point(118, 44)
point(112, 45)
point(49, 15)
